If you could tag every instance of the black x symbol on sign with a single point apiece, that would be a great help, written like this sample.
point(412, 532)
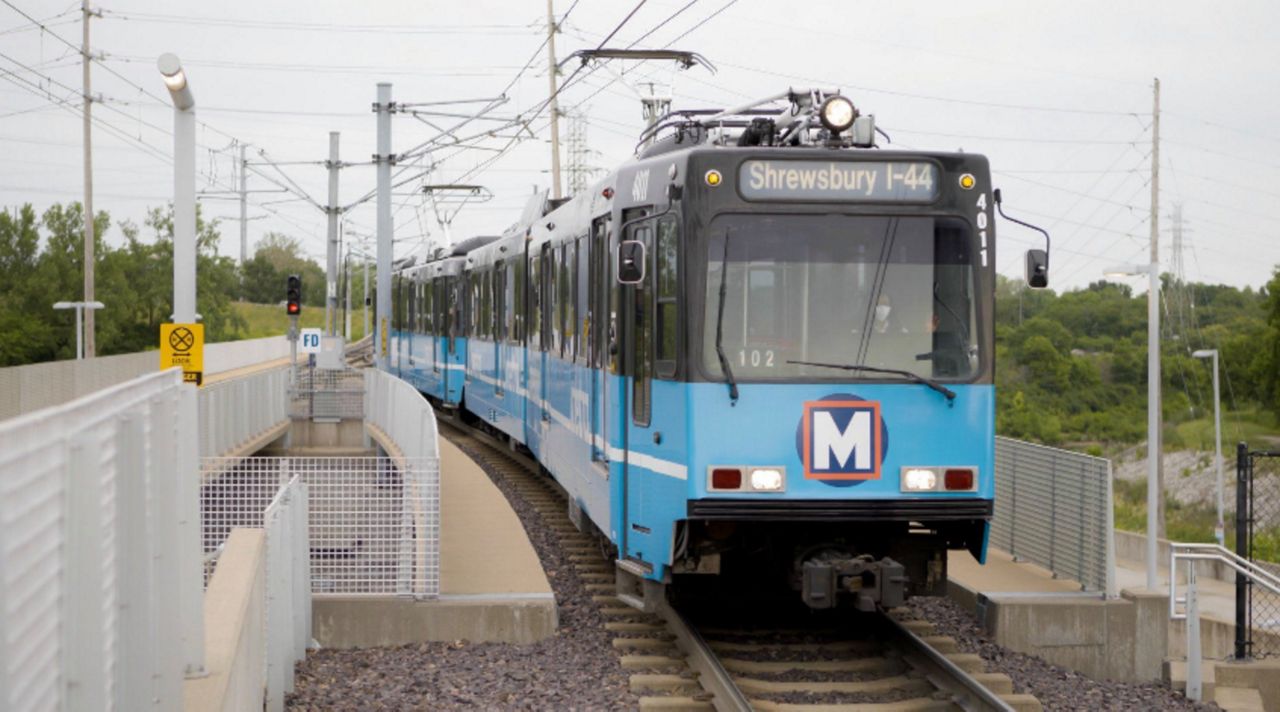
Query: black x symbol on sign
point(181, 339)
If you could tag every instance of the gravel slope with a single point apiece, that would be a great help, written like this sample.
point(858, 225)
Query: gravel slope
point(577, 669)
point(1057, 688)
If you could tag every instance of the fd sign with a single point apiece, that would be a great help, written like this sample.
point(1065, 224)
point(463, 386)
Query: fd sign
point(841, 440)
point(309, 341)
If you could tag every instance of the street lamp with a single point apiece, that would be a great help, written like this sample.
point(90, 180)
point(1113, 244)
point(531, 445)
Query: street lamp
point(1153, 405)
point(1218, 531)
point(80, 307)
point(184, 188)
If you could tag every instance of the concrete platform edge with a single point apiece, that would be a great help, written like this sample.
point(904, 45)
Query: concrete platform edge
point(367, 621)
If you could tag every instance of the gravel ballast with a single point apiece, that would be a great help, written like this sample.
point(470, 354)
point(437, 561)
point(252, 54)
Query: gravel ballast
point(1056, 687)
point(576, 669)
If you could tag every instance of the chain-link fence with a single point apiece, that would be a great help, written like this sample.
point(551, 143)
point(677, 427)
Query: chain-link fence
point(1053, 508)
point(326, 394)
point(374, 522)
point(1257, 539)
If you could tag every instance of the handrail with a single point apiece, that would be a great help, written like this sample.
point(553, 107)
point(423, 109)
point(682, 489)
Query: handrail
point(1213, 552)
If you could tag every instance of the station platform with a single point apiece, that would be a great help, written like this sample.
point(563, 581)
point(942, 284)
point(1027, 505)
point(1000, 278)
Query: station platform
point(492, 585)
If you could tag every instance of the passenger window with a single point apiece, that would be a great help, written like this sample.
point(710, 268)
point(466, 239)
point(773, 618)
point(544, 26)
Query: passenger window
point(667, 312)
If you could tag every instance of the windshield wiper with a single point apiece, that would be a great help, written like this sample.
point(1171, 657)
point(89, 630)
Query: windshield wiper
point(724, 361)
point(950, 394)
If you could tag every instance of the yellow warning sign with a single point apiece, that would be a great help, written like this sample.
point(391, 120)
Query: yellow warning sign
point(383, 333)
point(182, 345)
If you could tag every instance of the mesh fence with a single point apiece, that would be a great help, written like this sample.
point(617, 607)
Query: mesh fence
point(1258, 481)
point(326, 394)
point(373, 522)
point(1053, 508)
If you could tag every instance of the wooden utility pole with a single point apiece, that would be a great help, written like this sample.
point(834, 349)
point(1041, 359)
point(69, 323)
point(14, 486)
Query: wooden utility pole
point(555, 104)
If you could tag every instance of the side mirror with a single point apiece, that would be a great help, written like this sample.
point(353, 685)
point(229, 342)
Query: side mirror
point(631, 262)
point(1037, 269)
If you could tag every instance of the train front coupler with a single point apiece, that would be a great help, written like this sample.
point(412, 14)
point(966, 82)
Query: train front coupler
point(829, 575)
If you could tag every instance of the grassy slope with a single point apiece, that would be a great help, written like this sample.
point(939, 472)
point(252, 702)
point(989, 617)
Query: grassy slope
point(270, 319)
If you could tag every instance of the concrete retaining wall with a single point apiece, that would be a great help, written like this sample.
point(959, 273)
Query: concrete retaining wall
point(235, 630)
point(1131, 546)
point(40, 385)
point(1083, 632)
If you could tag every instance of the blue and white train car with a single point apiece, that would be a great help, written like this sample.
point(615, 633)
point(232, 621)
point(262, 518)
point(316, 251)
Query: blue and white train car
point(756, 353)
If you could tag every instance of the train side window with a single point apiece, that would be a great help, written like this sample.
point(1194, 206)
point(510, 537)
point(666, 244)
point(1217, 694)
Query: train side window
point(518, 300)
point(642, 386)
point(429, 307)
point(666, 255)
point(570, 308)
point(580, 291)
point(535, 303)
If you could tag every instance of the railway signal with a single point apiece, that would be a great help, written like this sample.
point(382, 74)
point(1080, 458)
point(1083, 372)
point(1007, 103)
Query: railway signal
point(293, 295)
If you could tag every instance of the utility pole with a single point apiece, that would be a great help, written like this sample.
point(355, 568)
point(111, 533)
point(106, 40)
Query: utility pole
point(555, 103)
point(346, 334)
point(1155, 500)
point(331, 273)
point(244, 207)
point(87, 60)
point(383, 158)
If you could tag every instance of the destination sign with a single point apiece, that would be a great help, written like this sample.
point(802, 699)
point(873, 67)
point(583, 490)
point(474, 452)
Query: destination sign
point(861, 181)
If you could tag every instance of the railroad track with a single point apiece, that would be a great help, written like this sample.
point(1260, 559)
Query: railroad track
point(809, 663)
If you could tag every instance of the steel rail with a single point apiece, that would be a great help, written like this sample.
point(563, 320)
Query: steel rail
point(965, 690)
point(726, 697)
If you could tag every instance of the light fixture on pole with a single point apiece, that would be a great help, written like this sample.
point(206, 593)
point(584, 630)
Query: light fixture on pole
point(184, 188)
point(1153, 406)
point(80, 308)
point(1219, 532)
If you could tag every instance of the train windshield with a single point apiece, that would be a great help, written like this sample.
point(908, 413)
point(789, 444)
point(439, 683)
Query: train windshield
point(889, 292)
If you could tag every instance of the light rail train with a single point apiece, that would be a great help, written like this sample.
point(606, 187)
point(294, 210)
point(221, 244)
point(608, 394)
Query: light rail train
point(761, 352)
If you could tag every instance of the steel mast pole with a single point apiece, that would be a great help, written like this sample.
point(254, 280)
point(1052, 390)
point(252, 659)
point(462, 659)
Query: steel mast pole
point(331, 271)
point(384, 159)
point(1155, 511)
point(89, 238)
point(244, 207)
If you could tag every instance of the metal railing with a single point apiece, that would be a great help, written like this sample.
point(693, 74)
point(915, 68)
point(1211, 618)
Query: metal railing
point(100, 597)
point(288, 589)
point(1054, 508)
point(238, 410)
point(1190, 554)
point(373, 522)
point(327, 394)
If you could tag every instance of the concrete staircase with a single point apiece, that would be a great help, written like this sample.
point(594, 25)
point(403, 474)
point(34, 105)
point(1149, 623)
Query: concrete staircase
point(1234, 687)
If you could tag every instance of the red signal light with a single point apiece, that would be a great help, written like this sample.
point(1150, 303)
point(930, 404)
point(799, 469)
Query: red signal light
point(726, 478)
point(293, 308)
point(958, 479)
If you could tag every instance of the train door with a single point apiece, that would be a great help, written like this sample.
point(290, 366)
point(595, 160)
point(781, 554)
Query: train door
point(438, 307)
point(533, 348)
point(547, 288)
point(498, 320)
point(631, 306)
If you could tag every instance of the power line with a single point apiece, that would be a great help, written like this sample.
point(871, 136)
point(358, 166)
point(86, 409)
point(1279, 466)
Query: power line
point(207, 21)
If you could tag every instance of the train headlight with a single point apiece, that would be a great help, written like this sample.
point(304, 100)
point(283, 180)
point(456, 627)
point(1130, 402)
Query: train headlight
point(837, 114)
point(919, 479)
point(767, 479)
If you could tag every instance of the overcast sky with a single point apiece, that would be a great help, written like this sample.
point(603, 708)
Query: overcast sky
point(1058, 95)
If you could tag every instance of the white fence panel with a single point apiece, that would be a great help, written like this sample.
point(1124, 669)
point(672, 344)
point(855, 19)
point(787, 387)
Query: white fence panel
point(93, 545)
point(1054, 508)
point(235, 411)
point(400, 411)
point(288, 589)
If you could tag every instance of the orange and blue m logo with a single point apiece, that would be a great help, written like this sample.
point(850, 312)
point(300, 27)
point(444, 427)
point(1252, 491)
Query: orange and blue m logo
point(842, 440)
